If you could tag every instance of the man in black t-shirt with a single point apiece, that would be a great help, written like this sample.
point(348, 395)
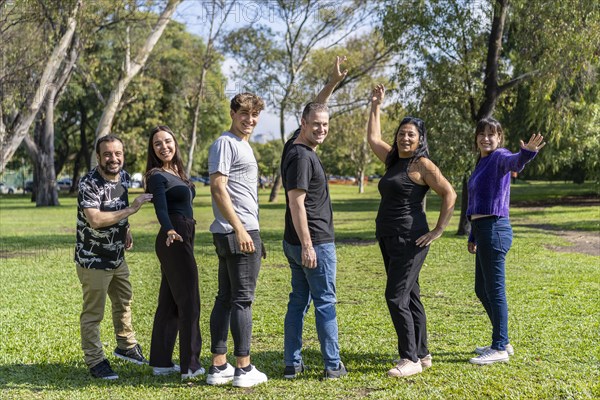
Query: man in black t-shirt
point(102, 237)
point(309, 238)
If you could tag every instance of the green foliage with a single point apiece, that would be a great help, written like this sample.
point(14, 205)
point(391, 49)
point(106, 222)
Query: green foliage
point(273, 57)
point(268, 156)
point(346, 152)
point(551, 49)
point(40, 355)
point(162, 94)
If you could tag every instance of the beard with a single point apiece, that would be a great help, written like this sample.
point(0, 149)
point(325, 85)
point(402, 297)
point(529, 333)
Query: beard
point(111, 169)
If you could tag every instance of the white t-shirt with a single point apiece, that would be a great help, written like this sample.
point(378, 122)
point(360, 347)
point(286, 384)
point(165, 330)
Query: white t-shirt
point(234, 158)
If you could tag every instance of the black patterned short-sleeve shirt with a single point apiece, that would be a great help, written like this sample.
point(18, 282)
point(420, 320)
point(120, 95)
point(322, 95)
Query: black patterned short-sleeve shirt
point(102, 248)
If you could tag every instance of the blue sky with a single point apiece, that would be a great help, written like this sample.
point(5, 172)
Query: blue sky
point(194, 15)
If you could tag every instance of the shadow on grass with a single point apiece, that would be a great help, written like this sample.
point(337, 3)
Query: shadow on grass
point(69, 376)
point(74, 375)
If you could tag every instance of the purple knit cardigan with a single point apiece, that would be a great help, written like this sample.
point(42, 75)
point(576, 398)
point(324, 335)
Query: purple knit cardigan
point(489, 184)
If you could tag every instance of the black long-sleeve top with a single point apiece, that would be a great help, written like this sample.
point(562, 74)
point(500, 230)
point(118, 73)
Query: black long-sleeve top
point(170, 195)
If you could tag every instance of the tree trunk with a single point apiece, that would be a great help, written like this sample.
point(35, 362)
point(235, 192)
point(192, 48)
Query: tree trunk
point(41, 150)
point(47, 192)
point(11, 137)
point(490, 82)
point(361, 181)
point(196, 119)
point(277, 184)
point(464, 226)
point(491, 94)
point(83, 155)
point(112, 104)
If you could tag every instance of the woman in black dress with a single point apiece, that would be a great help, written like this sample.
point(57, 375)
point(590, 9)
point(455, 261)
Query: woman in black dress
point(402, 231)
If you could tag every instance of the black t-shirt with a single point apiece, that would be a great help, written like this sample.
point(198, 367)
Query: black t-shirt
point(302, 169)
point(401, 207)
point(170, 195)
point(102, 248)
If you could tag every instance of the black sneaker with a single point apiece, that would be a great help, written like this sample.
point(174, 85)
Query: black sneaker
point(103, 370)
point(336, 373)
point(291, 371)
point(133, 355)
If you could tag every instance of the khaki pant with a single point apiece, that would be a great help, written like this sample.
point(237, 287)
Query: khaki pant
point(96, 284)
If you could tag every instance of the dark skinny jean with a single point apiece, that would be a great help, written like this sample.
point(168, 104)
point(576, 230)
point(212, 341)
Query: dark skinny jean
point(238, 273)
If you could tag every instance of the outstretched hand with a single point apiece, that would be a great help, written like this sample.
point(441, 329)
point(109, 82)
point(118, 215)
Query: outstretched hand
point(378, 94)
point(336, 75)
point(536, 142)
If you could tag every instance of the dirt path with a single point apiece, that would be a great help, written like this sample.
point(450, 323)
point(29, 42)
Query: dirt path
point(584, 242)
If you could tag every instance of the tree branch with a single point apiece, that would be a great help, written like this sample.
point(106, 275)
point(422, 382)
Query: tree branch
point(515, 81)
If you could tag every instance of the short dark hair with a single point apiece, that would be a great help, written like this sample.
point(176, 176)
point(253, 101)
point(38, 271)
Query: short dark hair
point(314, 106)
point(494, 126)
point(248, 100)
point(107, 138)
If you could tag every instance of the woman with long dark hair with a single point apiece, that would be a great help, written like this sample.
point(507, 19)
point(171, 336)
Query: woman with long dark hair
point(178, 307)
point(491, 232)
point(402, 231)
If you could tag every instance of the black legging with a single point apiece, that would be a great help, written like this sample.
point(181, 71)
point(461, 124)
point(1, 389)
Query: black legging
point(178, 299)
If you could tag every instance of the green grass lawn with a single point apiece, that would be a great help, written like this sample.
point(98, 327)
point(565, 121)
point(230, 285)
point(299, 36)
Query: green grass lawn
point(554, 303)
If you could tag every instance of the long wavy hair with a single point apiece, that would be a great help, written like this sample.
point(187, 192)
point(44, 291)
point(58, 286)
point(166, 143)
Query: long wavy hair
point(422, 149)
point(154, 163)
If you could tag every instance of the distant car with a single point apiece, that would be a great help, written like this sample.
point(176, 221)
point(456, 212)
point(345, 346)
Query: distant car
point(64, 184)
point(6, 189)
point(28, 188)
point(136, 180)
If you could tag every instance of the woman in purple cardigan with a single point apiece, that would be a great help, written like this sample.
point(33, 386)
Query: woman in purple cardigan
point(491, 233)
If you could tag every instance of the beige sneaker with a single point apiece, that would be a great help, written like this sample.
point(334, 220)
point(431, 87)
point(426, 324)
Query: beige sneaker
point(490, 356)
point(426, 361)
point(509, 349)
point(405, 368)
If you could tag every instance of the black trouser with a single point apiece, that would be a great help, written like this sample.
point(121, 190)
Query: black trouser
point(403, 261)
point(238, 273)
point(178, 299)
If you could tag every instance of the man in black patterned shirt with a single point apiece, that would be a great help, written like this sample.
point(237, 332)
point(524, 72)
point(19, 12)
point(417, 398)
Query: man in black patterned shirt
point(102, 237)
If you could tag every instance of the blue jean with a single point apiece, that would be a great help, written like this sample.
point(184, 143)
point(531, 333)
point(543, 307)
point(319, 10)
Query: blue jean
point(493, 236)
point(317, 284)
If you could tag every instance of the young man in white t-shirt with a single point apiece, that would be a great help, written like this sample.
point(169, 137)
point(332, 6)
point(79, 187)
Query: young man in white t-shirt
point(234, 188)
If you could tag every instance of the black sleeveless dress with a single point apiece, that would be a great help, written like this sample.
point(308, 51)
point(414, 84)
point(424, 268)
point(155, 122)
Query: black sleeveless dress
point(401, 208)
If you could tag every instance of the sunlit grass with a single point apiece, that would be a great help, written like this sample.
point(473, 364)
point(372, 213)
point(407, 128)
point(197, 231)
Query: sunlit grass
point(553, 301)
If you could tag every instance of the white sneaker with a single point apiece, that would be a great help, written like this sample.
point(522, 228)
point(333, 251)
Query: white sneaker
point(490, 356)
point(159, 371)
point(509, 349)
point(242, 378)
point(426, 361)
point(192, 374)
point(405, 368)
point(220, 377)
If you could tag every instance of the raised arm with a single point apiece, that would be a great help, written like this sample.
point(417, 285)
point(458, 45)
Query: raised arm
point(379, 147)
point(433, 177)
point(335, 77)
